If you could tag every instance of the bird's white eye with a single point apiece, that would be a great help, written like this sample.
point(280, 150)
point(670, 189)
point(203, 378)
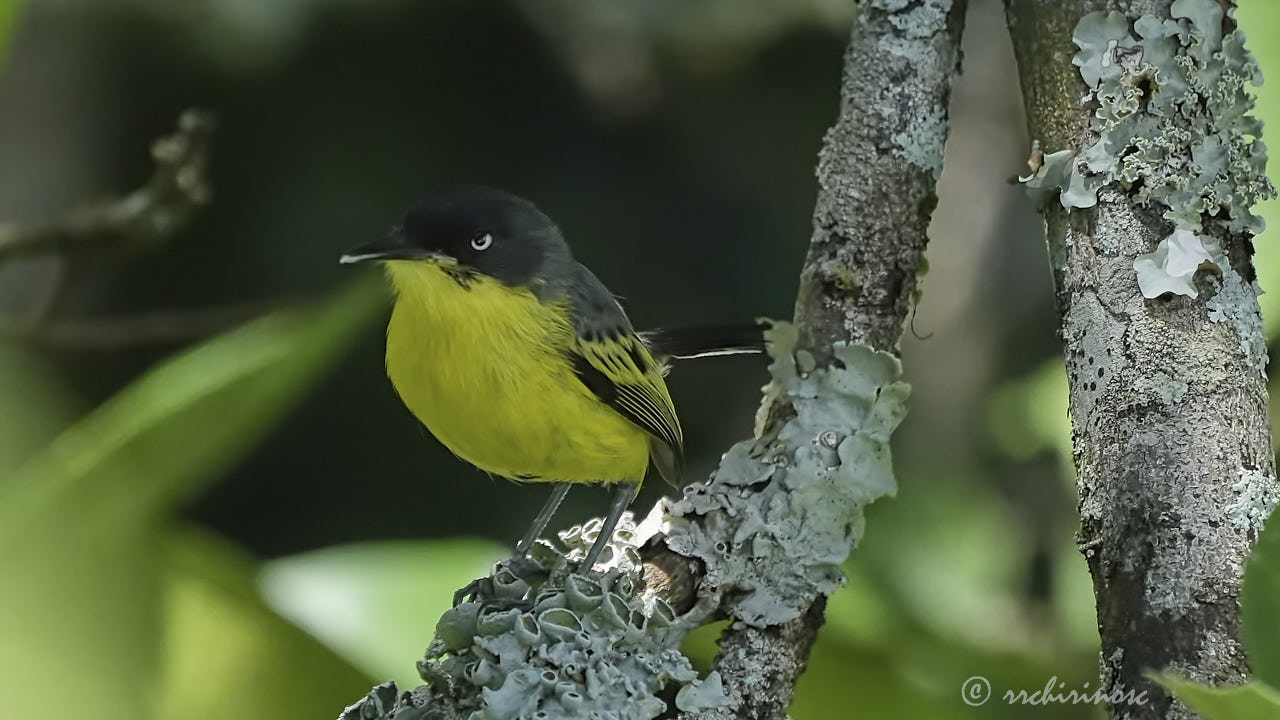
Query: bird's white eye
point(482, 242)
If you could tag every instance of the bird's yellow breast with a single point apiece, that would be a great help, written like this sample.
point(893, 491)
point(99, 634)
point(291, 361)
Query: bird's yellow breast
point(483, 366)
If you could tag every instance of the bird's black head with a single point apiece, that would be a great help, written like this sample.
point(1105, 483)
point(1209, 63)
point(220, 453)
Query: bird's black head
point(476, 229)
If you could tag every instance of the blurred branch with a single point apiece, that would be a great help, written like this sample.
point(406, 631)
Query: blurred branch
point(47, 306)
point(762, 540)
point(147, 216)
point(151, 328)
point(616, 49)
point(1168, 400)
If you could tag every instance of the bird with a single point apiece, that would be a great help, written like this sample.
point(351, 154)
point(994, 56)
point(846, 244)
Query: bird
point(521, 362)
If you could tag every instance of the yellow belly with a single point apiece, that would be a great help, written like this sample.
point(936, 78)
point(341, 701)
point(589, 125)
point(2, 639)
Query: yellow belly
point(482, 368)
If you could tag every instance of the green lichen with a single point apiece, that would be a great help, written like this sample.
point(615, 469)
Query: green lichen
point(1235, 302)
point(783, 511)
point(560, 647)
point(1173, 128)
point(920, 141)
point(1255, 499)
point(917, 292)
point(920, 21)
point(1164, 387)
point(1173, 265)
point(847, 277)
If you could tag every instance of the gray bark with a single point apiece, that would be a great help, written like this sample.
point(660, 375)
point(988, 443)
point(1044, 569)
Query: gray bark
point(877, 174)
point(1170, 425)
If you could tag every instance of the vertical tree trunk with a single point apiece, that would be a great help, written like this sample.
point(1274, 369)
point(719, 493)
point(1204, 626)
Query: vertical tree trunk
point(1167, 395)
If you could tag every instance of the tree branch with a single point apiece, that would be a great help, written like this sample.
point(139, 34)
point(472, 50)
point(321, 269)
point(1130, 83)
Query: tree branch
point(148, 215)
point(1167, 391)
point(157, 327)
point(877, 174)
point(763, 539)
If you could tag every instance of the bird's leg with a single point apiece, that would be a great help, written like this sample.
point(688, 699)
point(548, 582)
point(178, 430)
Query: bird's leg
point(540, 521)
point(477, 587)
point(622, 497)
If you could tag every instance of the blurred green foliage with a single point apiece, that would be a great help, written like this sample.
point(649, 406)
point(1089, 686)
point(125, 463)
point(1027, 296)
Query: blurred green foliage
point(1260, 606)
point(218, 535)
point(376, 603)
point(1253, 701)
point(85, 525)
point(1265, 17)
point(226, 654)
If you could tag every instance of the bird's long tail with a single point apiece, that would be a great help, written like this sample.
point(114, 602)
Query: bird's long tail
point(707, 340)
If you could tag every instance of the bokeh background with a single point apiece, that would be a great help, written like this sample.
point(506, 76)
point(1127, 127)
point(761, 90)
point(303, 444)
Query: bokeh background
point(201, 518)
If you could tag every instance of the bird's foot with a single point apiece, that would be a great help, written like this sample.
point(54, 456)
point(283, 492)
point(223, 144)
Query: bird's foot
point(507, 585)
point(472, 591)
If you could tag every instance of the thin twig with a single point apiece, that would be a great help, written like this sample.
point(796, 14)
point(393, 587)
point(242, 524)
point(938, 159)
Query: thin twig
point(147, 216)
point(162, 327)
point(56, 290)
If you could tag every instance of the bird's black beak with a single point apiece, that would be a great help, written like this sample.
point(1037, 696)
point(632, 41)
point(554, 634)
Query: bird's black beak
point(394, 246)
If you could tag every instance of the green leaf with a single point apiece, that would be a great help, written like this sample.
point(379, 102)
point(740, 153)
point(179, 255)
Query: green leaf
point(920, 676)
point(47, 406)
point(376, 604)
point(1027, 415)
point(1257, 18)
point(1255, 701)
point(1260, 605)
point(228, 656)
point(80, 553)
point(9, 10)
point(78, 618)
point(185, 421)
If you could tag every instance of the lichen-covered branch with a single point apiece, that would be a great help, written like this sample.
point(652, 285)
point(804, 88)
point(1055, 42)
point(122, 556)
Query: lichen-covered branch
point(773, 524)
point(1146, 187)
point(177, 188)
point(763, 539)
point(877, 173)
point(158, 327)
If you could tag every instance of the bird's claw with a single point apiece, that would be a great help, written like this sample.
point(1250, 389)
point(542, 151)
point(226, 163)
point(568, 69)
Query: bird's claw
point(520, 567)
point(474, 590)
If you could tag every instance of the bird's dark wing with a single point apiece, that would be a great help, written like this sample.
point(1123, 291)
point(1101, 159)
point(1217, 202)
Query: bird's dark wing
point(615, 365)
point(704, 341)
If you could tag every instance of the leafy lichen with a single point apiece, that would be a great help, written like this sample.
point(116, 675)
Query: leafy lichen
point(1235, 302)
point(1255, 498)
point(1173, 265)
point(922, 20)
point(563, 646)
point(787, 507)
point(1172, 128)
point(1166, 388)
point(924, 127)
